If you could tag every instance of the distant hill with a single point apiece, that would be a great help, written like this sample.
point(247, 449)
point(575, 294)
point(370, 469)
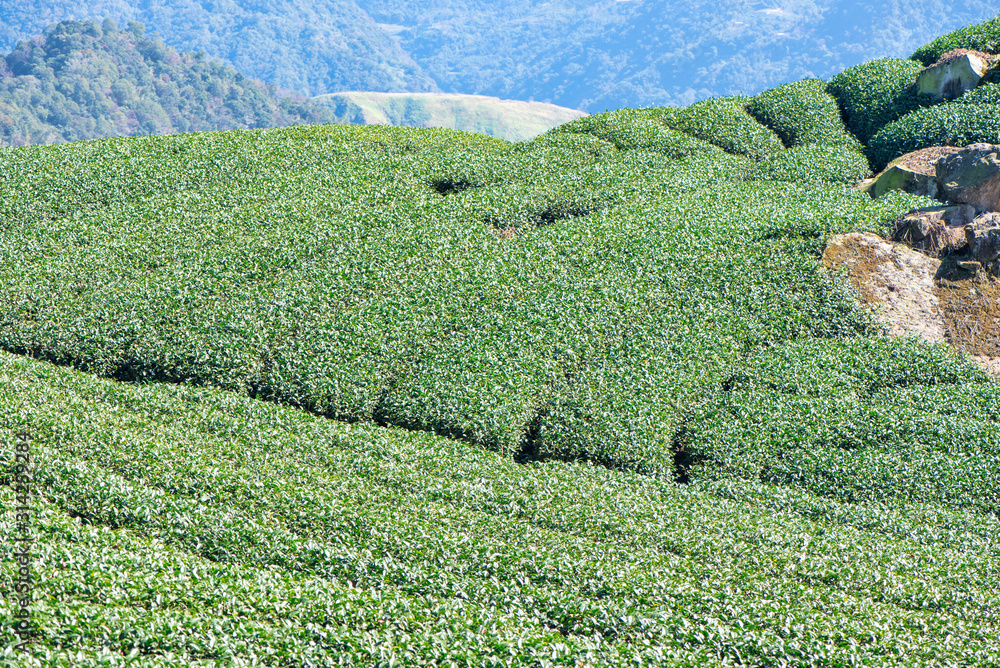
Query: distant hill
point(583, 54)
point(514, 120)
point(80, 80)
point(308, 46)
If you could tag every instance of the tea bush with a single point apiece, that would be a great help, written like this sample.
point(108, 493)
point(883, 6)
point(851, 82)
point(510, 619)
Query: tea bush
point(801, 112)
point(856, 433)
point(724, 122)
point(950, 124)
point(875, 93)
point(833, 163)
point(982, 94)
point(180, 525)
point(536, 301)
point(984, 36)
point(639, 129)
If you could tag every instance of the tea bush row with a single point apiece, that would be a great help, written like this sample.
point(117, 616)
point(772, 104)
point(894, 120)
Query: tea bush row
point(536, 300)
point(839, 418)
point(323, 268)
point(831, 163)
point(187, 525)
point(725, 123)
point(801, 112)
point(956, 123)
point(980, 37)
point(875, 93)
point(638, 129)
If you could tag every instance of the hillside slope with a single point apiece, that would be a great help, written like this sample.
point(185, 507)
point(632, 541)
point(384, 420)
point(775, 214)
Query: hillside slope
point(80, 80)
point(513, 120)
point(341, 395)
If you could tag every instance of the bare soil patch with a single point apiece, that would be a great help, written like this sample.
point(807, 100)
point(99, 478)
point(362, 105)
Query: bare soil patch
point(923, 160)
point(917, 295)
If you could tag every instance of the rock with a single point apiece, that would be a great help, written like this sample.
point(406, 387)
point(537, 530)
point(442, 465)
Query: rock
point(953, 74)
point(914, 172)
point(983, 238)
point(936, 230)
point(900, 279)
point(864, 186)
point(969, 265)
point(971, 176)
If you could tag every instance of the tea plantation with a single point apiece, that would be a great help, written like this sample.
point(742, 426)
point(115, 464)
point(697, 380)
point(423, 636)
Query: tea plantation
point(372, 396)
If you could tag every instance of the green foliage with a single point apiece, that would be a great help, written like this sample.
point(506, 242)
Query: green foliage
point(436, 319)
point(984, 36)
point(875, 93)
point(982, 94)
point(858, 420)
point(570, 142)
point(78, 81)
point(956, 123)
point(185, 526)
point(833, 163)
point(725, 123)
point(639, 129)
point(801, 113)
point(435, 280)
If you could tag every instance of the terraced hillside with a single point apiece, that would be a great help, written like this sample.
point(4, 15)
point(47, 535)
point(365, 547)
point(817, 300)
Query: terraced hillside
point(381, 396)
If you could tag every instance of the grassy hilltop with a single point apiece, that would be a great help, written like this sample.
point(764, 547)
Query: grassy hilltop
point(378, 396)
point(514, 120)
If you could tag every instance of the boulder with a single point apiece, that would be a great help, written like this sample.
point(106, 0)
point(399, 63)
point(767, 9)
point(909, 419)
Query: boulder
point(983, 238)
point(953, 74)
point(937, 230)
point(899, 279)
point(971, 176)
point(914, 173)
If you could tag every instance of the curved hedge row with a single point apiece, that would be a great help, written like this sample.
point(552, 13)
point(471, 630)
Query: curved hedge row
point(208, 529)
point(950, 124)
point(984, 94)
point(981, 37)
point(801, 112)
point(638, 129)
point(874, 94)
point(881, 423)
point(725, 122)
point(833, 163)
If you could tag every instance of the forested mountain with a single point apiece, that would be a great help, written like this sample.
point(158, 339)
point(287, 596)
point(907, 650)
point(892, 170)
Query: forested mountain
point(585, 54)
point(610, 54)
point(80, 80)
point(307, 46)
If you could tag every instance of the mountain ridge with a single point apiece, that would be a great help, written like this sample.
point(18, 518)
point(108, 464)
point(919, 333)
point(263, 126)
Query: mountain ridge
point(80, 80)
point(583, 54)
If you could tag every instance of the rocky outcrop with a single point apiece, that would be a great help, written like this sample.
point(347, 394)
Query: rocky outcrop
point(967, 228)
point(983, 239)
point(911, 297)
point(913, 173)
point(971, 176)
point(899, 279)
point(953, 74)
point(938, 230)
